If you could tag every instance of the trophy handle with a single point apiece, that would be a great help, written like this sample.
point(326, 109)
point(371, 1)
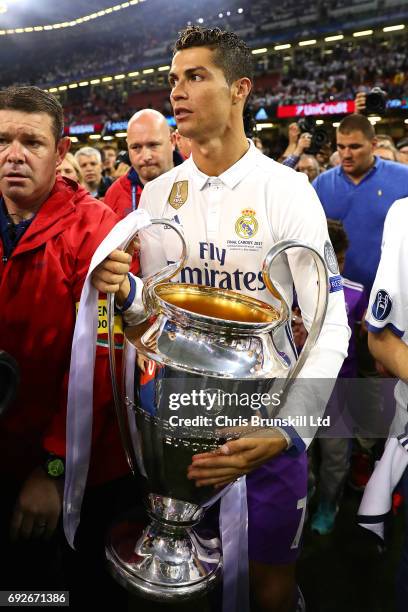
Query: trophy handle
point(321, 304)
point(164, 275)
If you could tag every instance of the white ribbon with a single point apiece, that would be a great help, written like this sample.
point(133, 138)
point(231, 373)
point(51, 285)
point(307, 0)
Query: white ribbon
point(81, 375)
point(377, 498)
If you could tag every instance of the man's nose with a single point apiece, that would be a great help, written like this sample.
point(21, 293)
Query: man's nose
point(146, 153)
point(178, 92)
point(15, 153)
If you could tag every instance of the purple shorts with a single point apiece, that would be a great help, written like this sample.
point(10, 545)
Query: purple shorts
point(277, 495)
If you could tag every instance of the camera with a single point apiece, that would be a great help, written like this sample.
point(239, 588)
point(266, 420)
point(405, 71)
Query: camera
point(9, 378)
point(319, 135)
point(122, 158)
point(376, 101)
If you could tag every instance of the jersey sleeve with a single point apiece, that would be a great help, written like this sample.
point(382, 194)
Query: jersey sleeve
point(388, 306)
point(304, 220)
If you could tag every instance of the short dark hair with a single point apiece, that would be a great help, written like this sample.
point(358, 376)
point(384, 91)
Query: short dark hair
point(232, 54)
point(356, 123)
point(338, 236)
point(32, 99)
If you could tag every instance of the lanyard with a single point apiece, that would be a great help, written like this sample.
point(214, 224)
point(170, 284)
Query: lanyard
point(134, 197)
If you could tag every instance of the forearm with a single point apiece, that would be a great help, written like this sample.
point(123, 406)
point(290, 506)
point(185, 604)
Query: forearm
point(390, 351)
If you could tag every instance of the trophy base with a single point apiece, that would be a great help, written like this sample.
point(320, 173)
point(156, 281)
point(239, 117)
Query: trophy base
point(163, 563)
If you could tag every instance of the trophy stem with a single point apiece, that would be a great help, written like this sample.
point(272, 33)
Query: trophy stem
point(163, 562)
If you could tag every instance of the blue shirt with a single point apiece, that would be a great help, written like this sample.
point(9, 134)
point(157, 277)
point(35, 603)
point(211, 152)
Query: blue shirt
point(362, 208)
point(10, 232)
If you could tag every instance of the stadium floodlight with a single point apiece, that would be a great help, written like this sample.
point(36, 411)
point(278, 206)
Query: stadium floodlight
point(107, 79)
point(263, 126)
point(95, 137)
point(2, 32)
point(3, 7)
point(258, 51)
point(118, 77)
point(394, 28)
point(333, 38)
point(53, 89)
point(200, 20)
point(121, 135)
point(73, 86)
point(363, 33)
point(62, 88)
point(133, 74)
point(319, 121)
point(282, 47)
point(107, 138)
point(83, 83)
point(336, 124)
point(19, 30)
point(220, 15)
point(125, 4)
point(28, 29)
point(373, 120)
point(163, 68)
point(405, 120)
point(306, 43)
point(148, 70)
point(74, 139)
point(95, 81)
point(240, 11)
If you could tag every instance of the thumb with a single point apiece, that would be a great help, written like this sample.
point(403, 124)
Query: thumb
point(235, 446)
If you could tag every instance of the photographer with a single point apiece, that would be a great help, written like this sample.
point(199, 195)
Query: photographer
point(298, 143)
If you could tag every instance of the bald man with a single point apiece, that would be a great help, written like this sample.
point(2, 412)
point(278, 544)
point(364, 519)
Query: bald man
point(151, 153)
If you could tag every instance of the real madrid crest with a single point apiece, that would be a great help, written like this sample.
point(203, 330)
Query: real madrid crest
point(178, 194)
point(246, 226)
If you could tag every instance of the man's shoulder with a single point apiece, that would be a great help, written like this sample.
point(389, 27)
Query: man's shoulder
point(394, 169)
point(90, 209)
point(326, 178)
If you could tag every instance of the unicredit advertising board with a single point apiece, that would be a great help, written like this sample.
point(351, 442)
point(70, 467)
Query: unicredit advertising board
point(316, 108)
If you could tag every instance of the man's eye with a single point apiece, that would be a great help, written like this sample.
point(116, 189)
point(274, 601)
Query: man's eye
point(196, 77)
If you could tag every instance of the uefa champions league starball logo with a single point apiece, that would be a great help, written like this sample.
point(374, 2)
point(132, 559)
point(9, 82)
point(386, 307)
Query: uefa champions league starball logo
point(246, 226)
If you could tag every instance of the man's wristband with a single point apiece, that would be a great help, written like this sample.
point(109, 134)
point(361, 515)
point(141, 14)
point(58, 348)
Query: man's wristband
point(54, 466)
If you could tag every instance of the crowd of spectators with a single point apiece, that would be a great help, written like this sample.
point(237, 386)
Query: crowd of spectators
point(134, 38)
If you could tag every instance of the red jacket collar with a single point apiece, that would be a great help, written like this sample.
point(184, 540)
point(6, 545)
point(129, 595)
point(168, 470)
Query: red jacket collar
point(54, 215)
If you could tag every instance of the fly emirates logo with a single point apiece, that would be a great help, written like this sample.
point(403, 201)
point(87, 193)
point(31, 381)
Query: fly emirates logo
point(211, 271)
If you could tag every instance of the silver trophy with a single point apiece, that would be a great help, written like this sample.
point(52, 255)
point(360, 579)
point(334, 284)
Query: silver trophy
point(198, 341)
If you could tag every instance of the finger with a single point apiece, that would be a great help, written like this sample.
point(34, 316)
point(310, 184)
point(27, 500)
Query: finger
point(26, 527)
point(39, 529)
point(103, 287)
point(119, 256)
point(51, 527)
point(111, 278)
point(115, 267)
point(220, 461)
point(15, 524)
point(198, 474)
point(217, 480)
point(238, 446)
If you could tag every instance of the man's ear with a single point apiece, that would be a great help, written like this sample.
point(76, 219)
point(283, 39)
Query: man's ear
point(241, 90)
point(63, 146)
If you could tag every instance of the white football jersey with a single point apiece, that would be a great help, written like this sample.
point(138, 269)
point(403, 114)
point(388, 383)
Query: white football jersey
point(230, 222)
point(388, 305)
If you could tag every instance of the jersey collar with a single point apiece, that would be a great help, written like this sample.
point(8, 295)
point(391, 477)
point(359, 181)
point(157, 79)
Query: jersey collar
point(234, 175)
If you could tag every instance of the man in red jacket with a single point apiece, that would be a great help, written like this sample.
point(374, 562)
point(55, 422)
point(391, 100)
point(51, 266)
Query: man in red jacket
point(49, 229)
point(151, 153)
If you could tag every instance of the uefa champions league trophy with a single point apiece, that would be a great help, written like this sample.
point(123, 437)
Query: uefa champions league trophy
point(198, 338)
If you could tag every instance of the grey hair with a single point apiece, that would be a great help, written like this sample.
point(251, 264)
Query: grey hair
point(88, 152)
